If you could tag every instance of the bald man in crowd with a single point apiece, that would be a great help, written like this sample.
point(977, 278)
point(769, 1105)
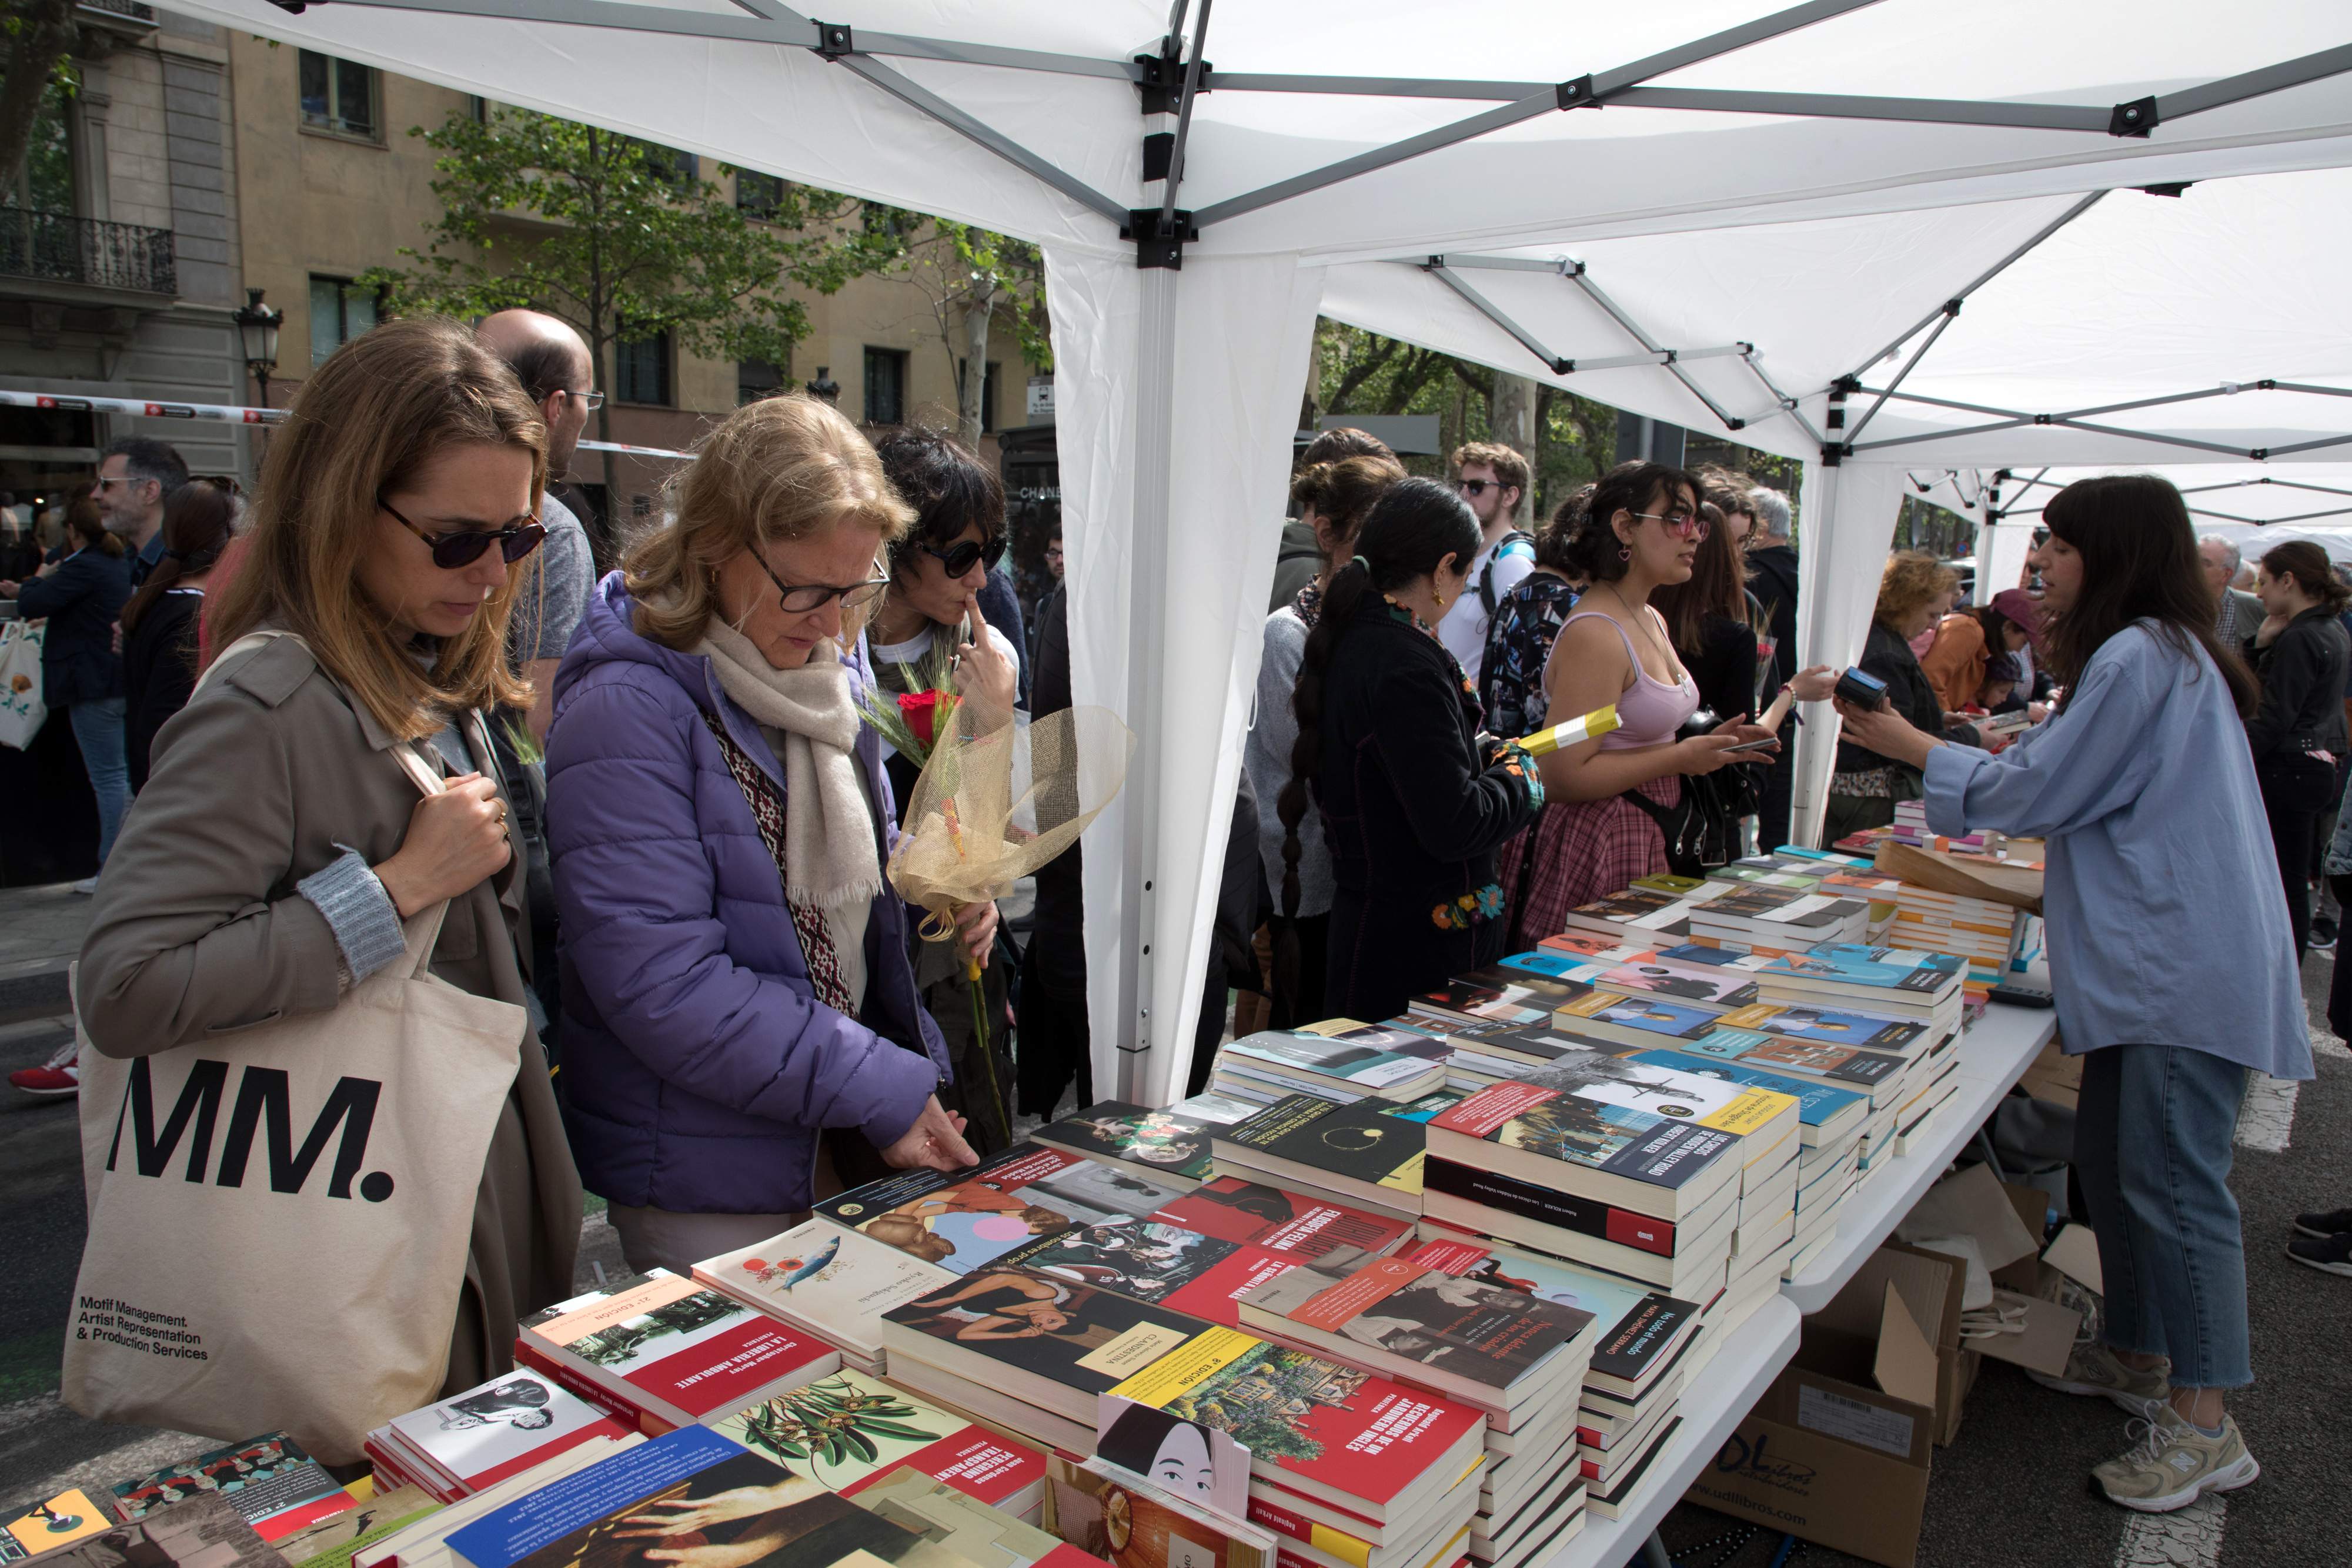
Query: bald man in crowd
point(553, 364)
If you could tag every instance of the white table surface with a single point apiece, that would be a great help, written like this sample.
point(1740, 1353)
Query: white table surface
point(1994, 1055)
point(1729, 1385)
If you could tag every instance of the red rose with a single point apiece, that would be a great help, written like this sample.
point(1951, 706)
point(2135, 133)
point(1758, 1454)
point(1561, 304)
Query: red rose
point(922, 711)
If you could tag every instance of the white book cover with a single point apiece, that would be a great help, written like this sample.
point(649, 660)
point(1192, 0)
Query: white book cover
point(828, 1279)
point(501, 1428)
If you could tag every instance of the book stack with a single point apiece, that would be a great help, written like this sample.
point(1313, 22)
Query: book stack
point(1108, 1509)
point(424, 1542)
point(1910, 827)
point(1518, 1359)
point(1710, 979)
point(1290, 1224)
point(1165, 1146)
point(1639, 1171)
point(1162, 1263)
point(1979, 931)
point(961, 1221)
point(1350, 1063)
point(1894, 981)
point(1778, 920)
point(1512, 993)
point(1633, 1385)
point(1929, 1055)
point(821, 1279)
point(508, 1426)
point(853, 1434)
point(270, 1482)
point(1641, 916)
point(1365, 1156)
point(662, 1351)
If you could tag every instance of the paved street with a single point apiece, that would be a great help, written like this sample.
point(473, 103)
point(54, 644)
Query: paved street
point(2011, 1493)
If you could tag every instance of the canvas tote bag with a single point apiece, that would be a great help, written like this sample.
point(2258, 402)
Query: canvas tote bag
point(280, 1217)
point(21, 708)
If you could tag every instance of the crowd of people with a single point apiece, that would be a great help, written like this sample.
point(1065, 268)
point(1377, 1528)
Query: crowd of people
point(655, 812)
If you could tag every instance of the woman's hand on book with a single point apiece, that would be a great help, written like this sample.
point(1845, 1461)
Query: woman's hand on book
point(934, 1143)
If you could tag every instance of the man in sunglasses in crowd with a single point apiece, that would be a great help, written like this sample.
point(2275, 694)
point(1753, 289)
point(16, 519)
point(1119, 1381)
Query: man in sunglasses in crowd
point(1491, 478)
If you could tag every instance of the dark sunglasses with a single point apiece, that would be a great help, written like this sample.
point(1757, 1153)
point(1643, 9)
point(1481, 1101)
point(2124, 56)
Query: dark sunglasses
point(957, 558)
point(1476, 487)
point(806, 598)
point(464, 547)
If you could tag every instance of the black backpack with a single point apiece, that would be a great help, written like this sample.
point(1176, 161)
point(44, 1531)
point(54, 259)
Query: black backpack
point(1486, 578)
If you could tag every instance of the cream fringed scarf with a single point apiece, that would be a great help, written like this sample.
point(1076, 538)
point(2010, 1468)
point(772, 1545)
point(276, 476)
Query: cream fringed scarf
point(830, 854)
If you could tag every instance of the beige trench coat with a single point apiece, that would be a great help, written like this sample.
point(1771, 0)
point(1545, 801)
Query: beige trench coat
point(196, 931)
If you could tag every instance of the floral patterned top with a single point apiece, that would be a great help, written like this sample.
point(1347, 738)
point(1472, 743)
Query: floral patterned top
point(1511, 677)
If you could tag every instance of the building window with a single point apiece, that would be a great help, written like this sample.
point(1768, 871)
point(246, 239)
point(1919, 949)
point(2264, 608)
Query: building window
point(756, 378)
point(640, 369)
point(757, 195)
point(886, 386)
point(338, 96)
point(340, 311)
point(987, 390)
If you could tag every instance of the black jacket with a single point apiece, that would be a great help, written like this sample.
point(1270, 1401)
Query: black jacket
point(1723, 666)
point(81, 600)
point(1411, 813)
point(1772, 577)
point(159, 672)
point(1908, 692)
point(2302, 676)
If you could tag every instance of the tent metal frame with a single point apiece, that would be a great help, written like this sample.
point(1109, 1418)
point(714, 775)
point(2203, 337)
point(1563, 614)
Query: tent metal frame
point(2037, 482)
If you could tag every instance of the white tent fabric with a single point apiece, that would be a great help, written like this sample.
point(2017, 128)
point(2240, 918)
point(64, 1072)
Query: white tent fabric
point(1773, 179)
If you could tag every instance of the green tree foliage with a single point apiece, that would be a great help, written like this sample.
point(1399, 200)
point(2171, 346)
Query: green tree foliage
point(613, 235)
point(39, 35)
point(968, 278)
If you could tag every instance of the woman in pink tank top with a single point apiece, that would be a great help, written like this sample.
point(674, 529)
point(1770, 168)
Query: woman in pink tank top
point(1641, 529)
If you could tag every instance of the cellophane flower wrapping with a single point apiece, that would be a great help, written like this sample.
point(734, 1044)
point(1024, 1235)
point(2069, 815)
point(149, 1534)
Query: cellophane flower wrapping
point(989, 809)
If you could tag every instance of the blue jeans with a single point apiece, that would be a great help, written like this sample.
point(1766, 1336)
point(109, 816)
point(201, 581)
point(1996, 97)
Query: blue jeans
point(2153, 1137)
point(98, 729)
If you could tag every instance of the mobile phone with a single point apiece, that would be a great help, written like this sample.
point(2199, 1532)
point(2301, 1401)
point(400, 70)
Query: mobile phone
point(1766, 743)
point(1861, 690)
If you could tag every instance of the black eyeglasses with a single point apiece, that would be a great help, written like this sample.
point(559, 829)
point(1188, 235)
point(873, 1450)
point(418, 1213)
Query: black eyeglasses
point(957, 558)
point(464, 547)
point(1476, 487)
point(806, 598)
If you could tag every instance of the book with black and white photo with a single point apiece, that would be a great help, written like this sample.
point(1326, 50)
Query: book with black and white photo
point(1165, 1146)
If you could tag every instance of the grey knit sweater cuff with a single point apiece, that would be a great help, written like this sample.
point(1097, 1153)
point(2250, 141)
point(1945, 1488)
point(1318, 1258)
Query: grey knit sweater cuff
point(365, 923)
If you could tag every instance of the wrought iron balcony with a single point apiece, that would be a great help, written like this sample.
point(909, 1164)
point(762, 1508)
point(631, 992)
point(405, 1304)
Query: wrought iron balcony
point(131, 8)
point(60, 248)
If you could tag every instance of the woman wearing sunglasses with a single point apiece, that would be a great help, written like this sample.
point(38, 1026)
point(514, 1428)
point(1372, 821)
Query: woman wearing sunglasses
point(1613, 800)
point(736, 979)
point(927, 628)
point(279, 842)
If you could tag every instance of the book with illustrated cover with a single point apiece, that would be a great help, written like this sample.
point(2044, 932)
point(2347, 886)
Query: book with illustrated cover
point(1826, 1026)
point(423, 1543)
point(1901, 976)
point(1636, 915)
point(1873, 1072)
point(1501, 992)
point(964, 1220)
point(1634, 1021)
point(1556, 964)
point(1222, 1110)
point(1316, 1426)
point(1825, 1113)
point(848, 1429)
point(1360, 1061)
point(956, 1522)
point(1498, 1349)
point(1148, 1260)
point(1161, 1145)
point(1639, 1331)
point(345, 1539)
point(1369, 1153)
point(1679, 974)
point(1046, 1342)
point(834, 1282)
point(1783, 917)
point(271, 1481)
point(203, 1530)
point(691, 1490)
point(1129, 1523)
point(1291, 1224)
point(52, 1522)
point(668, 1347)
point(509, 1425)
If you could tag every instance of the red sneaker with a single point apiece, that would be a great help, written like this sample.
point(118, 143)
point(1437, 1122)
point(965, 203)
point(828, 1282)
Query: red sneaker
point(59, 1075)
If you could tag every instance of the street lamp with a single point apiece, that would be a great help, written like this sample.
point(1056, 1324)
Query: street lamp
point(824, 386)
point(258, 324)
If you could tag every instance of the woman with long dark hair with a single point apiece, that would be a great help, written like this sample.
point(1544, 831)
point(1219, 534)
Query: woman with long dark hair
point(1415, 799)
point(159, 624)
point(2299, 654)
point(2145, 789)
point(1334, 498)
point(1614, 798)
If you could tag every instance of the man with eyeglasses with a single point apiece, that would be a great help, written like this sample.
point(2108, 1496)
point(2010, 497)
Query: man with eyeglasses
point(133, 477)
point(1491, 478)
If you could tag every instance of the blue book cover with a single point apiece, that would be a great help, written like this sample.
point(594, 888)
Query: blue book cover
point(1817, 1103)
point(1555, 966)
point(586, 1496)
point(1877, 968)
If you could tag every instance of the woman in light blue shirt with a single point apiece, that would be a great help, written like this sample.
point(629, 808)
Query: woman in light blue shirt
point(2168, 952)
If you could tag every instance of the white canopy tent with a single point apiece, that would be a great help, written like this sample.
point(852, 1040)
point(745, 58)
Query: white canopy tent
point(1763, 202)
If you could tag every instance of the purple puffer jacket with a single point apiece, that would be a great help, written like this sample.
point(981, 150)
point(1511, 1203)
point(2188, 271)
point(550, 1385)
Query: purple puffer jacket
point(696, 1063)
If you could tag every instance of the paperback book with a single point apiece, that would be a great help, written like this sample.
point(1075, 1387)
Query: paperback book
point(1825, 1114)
point(202, 1531)
point(1233, 1208)
point(847, 1430)
point(1359, 1060)
point(52, 1522)
point(503, 1428)
point(1369, 1153)
point(964, 1220)
point(1130, 1522)
point(1826, 1026)
point(1635, 1020)
point(1146, 1260)
point(271, 1481)
point(954, 1520)
point(829, 1282)
point(1163, 1146)
point(1638, 1331)
point(1683, 1261)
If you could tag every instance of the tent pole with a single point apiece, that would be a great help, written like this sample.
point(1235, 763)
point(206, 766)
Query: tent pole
point(1952, 314)
point(1583, 279)
point(2190, 101)
point(1437, 268)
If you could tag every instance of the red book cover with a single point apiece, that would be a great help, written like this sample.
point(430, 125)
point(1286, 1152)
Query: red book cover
point(975, 1462)
point(679, 1341)
point(1233, 1210)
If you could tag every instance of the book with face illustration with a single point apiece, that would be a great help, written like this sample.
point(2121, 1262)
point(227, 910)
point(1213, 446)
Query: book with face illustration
point(1048, 1340)
point(1167, 1146)
point(1160, 1263)
point(965, 1220)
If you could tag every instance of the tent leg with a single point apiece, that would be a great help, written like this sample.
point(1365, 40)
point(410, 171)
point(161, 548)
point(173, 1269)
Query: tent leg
point(1155, 415)
point(1654, 1552)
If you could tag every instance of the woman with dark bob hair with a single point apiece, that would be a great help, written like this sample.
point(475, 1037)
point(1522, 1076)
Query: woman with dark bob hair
point(1612, 798)
point(2299, 654)
point(2142, 785)
point(1415, 799)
